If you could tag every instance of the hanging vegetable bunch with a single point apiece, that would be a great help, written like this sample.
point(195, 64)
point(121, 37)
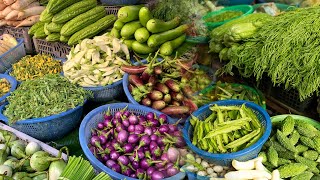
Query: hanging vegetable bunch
point(97, 61)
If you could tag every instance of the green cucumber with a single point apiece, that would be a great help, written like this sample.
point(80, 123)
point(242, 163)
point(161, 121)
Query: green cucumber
point(93, 29)
point(39, 34)
point(142, 35)
point(64, 39)
point(83, 20)
point(54, 27)
point(142, 48)
point(53, 37)
point(115, 33)
point(129, 43)
point(158, 39)
point(168, 47)
point(34, 28)
point(118, 25)
point(129, 13)
point(45, 16)
point(130, 28)
point(60, 5)
point(74, 10)
point(158, 26)
point(144, 16)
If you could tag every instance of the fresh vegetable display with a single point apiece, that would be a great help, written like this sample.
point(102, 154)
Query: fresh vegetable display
point(160, 85)
point(226, 15)
point(7, 42)
point(20, 13)
point(26, 160)
point(71, 21)
point(138, 146)
point(97, 61)
point(143, 34)
point(45, 96)
point(293, 149)
point(223, 91)
point(227, 129)
point(31, 67)
point(4, 86)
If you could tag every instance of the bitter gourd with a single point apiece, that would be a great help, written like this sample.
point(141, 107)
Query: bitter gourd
point(312, 165)
point(264, 156)
point(272, 156)
point(301, 148)
point(294, 137)
point(312, 155)
point(60, 5)
point(34, 28)
point(316, 141)
point(53, 37)
point(288, 125)
point(54, 27)
point(285, 142)
point(290, 170)
point(282, 161)
point(303, 176)
point(305, 129)
point(307, 142)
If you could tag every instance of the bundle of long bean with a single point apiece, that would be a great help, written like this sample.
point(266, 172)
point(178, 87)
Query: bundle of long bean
point(78, 168)
point(287, 49)
point(45, 96)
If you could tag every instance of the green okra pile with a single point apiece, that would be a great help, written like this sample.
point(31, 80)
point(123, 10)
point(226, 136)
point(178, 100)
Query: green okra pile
point(293, 148)
point(227, 129)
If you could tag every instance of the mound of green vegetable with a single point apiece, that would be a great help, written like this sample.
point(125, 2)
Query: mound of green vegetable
point(45, 96)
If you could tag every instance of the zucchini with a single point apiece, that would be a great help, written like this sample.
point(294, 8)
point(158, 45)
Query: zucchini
point(142, 35)
point(129, 43)
point(130, 28)
point(144, 16)
point(83, 20)
point(158, 39)
point(115, 33)
point(129, 13)
point(142, 48)
point(45, 16)
point(53, 37)
point(158, 26)
point(93, 29)
point(60, 5)
point(118, 25)
point(168, 47)
point(34, 28)
point(39, 34)
point(74, 10)
point(64, 39)
point(54, 27)
point(46, 31)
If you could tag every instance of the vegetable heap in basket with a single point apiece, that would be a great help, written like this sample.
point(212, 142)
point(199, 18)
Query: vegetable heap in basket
point(227, 129)
point(34, 67)
point(138, 146)
point(19, 12)
point(166, 85)
point(42, 97)
point(4, 86)
point(293, 148)
point(96, 62)
point(7, 43)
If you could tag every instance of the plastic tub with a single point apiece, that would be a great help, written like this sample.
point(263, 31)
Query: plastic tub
point(118, 2)
point(13, 84)
point(234, 2)
point(12, 56)
point(94, 117)
point(242, 155)
point(279, 118)
point(246, 9)
point(48, 128)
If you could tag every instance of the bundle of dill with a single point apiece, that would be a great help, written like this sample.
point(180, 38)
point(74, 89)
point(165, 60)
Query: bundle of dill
point(287, 49)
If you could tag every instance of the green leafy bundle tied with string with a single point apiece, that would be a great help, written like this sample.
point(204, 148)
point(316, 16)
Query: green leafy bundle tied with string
point(42, 97)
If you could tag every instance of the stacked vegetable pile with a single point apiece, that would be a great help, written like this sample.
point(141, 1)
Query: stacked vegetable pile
point(71, 21)
point(26, 160)
point(163, 85)
point(97, 61)
point(7, 43)
point(4, 86)
point(42, 97)
point(34, 67)
point(145, 35)
point(227, 129)
point(287, 56)
point(138, 146)
point(19, 13)
point(293, 149)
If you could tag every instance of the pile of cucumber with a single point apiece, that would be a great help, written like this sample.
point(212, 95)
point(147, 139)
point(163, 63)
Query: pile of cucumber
point(143, 34)
point(70, 21)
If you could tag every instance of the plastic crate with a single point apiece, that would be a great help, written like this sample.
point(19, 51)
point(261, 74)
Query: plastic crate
point(242, 155)
point(118, 2)
point(97, 115)
point(21, 32)
point(55, 49)
point(13, 84)
point(48, 128)
point(112, 9)
point(28, 138)
point(12, 56)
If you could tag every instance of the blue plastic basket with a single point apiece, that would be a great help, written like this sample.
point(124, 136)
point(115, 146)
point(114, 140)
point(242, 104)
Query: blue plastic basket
point(48, 128)
point(106, 93)
point(91, 120)
point(118, 2)
point(13, 84)
point(242, 155)
point(12, 56)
